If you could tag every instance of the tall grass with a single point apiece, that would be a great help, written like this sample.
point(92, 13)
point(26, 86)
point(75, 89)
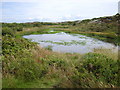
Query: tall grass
point(27, 65)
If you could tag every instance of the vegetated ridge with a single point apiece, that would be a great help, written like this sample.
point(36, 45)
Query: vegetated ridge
point(27, 65)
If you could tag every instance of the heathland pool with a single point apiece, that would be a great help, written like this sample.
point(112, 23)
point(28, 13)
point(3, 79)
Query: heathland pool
point(70, 43)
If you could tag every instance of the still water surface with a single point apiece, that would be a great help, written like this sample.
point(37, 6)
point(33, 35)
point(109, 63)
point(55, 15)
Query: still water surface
point(70, 43)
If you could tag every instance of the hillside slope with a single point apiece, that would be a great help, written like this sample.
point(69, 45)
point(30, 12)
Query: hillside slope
point(27, 65)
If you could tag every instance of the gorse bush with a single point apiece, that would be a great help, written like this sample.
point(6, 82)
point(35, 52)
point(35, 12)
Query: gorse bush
point(11, 29)
point(104, 68)
point(25, 64)
point(57, 62)
point(8, 31)
point(30, 70)
point(12, 45)
point(18, 28)
point(19, 61)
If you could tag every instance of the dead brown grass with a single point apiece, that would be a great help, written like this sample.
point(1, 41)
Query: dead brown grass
point(108, 52)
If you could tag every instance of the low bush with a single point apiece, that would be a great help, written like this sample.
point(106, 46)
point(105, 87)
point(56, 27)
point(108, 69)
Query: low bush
point(104, 69)
point(18, 60)
point(8, 31)
point(30, 70)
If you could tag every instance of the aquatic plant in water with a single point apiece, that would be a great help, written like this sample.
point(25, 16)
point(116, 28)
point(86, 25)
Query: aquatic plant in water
point(66, 43)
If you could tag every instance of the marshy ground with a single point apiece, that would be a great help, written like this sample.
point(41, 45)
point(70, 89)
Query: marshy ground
point(25, 64)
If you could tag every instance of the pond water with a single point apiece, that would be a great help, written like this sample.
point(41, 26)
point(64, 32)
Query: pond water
point(69, 43)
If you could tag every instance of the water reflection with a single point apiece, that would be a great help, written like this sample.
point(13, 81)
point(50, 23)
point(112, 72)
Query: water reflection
point(70, 43)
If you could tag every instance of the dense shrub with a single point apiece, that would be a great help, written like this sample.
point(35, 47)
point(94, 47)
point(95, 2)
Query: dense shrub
point(104, 69)
point(23, 63)
point(18, 28)
point(19, 61)
point(30, 70)
point(8, 31)
point(12, 45)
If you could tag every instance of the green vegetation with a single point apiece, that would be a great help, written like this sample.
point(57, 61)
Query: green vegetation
point(66, 43)
point(103, 28)
point(27, 65)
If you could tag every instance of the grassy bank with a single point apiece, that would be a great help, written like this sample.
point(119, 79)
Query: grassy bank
point(103, 28)
point(32, 66)
point(27, 65)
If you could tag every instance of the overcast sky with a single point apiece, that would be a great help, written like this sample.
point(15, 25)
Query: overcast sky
point(56, 10)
